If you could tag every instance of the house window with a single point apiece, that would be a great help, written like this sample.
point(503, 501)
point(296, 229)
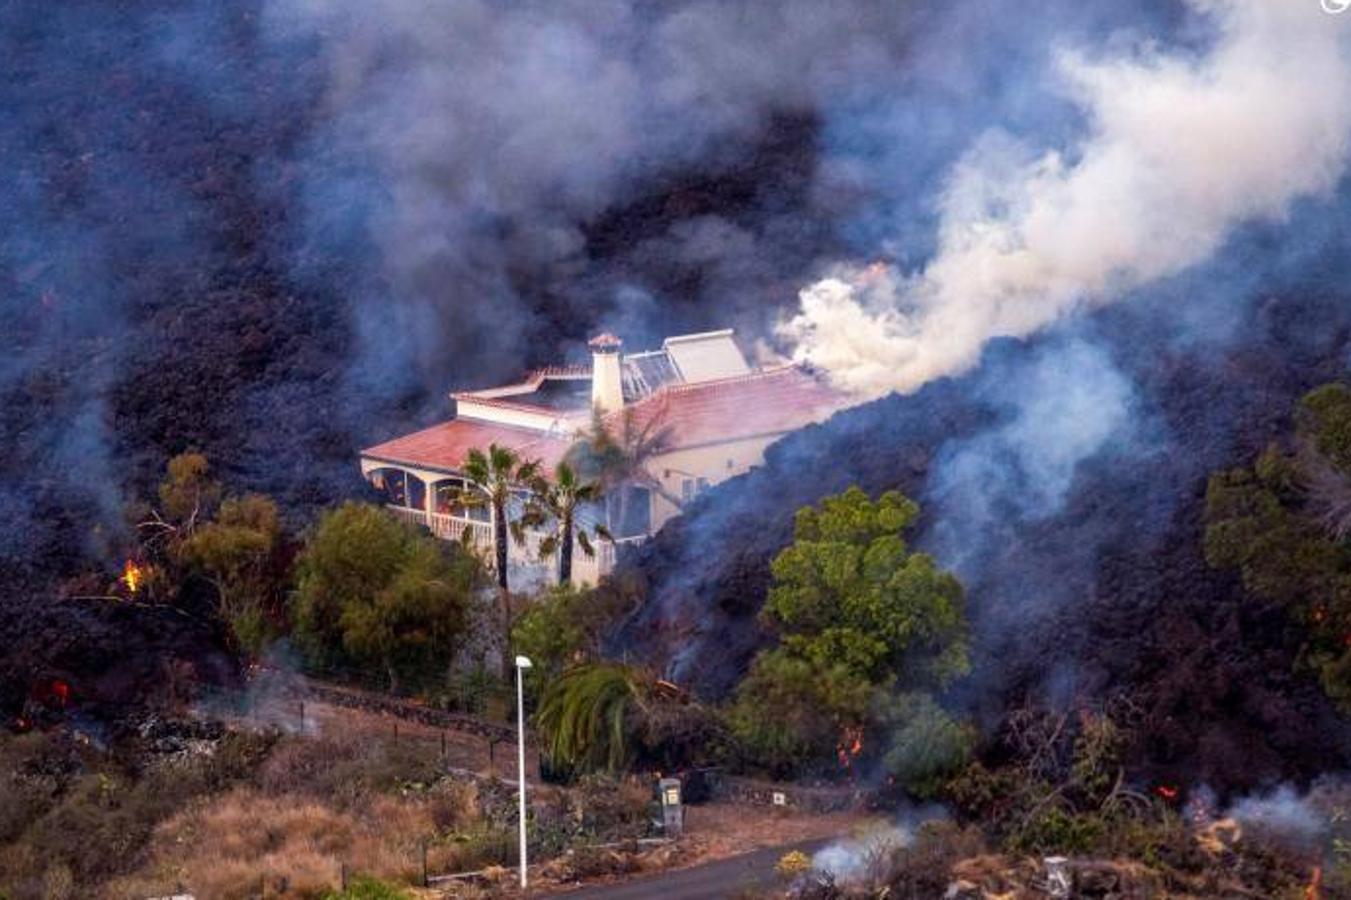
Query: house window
point(450, 497)
point(629, 511)
point(398, 488)
point(702, 485)
point(687, 489)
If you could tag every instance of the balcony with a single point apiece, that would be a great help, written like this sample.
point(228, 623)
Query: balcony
point(479, 535)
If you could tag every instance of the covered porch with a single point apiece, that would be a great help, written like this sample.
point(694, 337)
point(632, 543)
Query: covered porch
point(434, 499)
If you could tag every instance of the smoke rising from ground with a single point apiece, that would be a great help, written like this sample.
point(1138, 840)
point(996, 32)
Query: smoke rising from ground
point(476, 145)
point(1179, 150)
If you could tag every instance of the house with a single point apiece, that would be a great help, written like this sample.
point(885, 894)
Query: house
point(708, 412)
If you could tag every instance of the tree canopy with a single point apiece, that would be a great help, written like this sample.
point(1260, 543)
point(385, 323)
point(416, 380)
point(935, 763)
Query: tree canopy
point(1283, 524)
point(849, 591)
point(859, 617)
point(374, 591)
point(230, 549)
point(240, 553)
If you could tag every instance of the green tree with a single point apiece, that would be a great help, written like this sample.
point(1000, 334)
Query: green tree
point(789, 712)
point(239, 552)
point(498, 475)
point(1283, 524)
point(556, 629)
point(848, 589)
point(563, 626)
point(589, 715)
point(188, 493)
point(858, 614)
point(557, 502)
point(375, 591)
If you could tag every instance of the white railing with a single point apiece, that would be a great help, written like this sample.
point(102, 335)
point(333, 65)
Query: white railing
point(585, 569)
point(591, 568)
point(411, 516)
point(453, 528)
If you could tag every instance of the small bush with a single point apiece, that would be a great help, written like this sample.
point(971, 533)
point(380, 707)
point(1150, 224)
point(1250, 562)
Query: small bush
point(481, 847)
point(923, 869)
point(792, 864)
point(364, 888)
point(454, 805)
point(926, 745)
point(1055, 830)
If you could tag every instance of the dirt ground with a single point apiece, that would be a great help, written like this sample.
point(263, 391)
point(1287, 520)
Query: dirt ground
point(713, 831)
point(725, 829)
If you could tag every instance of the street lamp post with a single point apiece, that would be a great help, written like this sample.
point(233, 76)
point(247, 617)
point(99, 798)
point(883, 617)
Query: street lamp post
point(522, 663)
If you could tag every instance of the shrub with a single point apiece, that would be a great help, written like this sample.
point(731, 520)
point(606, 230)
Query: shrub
point(366, 888)
point(788, 713)
point(923, 869)
point(1054, 829)
point(793, 863)
point(454, 805)
point(375, 592)
point(926, 745)
point(481, 847)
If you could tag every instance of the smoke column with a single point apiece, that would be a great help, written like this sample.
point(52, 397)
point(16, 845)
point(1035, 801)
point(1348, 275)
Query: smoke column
point(1178, 150)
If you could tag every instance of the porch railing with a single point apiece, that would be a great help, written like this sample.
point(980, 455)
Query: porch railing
point(480, 535)
point(452, 528)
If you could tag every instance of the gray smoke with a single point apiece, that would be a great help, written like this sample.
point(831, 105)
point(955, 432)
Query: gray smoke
point(1176, 150)
point(1067, 403)
point(473, 142)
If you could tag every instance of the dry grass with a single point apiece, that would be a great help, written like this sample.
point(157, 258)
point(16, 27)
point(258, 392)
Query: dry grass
point(222, 848)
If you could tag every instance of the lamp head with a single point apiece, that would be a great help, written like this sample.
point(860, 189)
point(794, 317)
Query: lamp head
point(523, 662)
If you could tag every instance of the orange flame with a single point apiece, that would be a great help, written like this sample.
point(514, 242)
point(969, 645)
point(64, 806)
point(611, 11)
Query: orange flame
point(1314, 889)
point(133, 576)
point(850, 745)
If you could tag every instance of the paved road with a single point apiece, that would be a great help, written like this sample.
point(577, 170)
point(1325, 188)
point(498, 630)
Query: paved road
point(722, 878)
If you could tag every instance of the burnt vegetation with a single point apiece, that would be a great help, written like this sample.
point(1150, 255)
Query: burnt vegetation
point(165, 290)
point(1109, 592)
point(1128, 624)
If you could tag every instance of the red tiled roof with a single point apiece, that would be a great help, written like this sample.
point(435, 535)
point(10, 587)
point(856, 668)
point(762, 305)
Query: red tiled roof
point(446, 445)
point(762, 403)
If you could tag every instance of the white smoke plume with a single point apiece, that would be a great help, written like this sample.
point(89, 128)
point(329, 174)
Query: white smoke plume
point(1179, 149)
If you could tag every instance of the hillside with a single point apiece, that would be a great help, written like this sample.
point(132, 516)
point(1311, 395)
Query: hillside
point(1064, 481)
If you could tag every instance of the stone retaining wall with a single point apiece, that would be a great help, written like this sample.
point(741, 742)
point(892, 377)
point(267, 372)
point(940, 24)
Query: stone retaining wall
point(412, 712)
point(805, 798)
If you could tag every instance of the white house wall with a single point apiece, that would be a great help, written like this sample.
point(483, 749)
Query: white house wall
point(714, 462)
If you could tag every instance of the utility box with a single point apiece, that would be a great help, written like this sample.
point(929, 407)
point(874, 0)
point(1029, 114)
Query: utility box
point(672, 807)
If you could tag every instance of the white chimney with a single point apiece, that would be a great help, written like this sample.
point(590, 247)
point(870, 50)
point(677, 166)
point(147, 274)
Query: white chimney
point(607, 380)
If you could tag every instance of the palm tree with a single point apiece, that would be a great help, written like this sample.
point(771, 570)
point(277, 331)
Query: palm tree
point(589, 717)
point(496, 475)
point(605, 716)
point(558, 501)
point(616, 452)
